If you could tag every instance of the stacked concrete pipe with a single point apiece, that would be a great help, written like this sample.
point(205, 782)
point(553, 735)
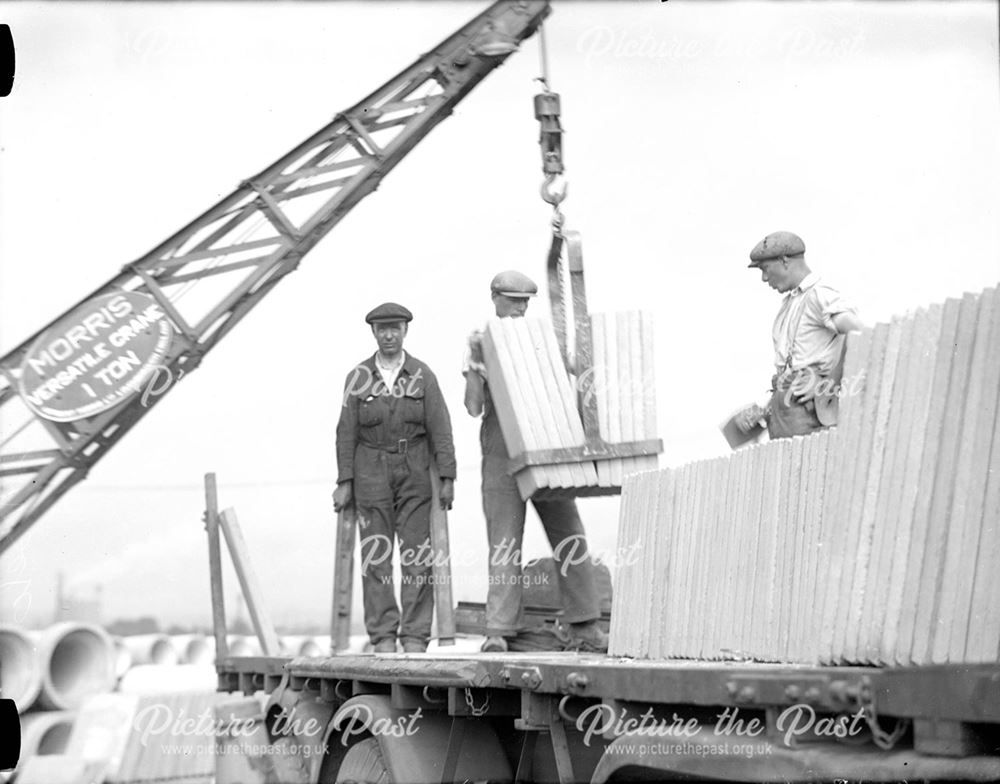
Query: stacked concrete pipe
point(151, 649)
point(302, 645)
point(123, 657)
point(20, 672)
point(194, 648)
point(77, 660)
point(45, 732)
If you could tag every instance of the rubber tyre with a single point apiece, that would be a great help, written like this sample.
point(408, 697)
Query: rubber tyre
point(363, 764)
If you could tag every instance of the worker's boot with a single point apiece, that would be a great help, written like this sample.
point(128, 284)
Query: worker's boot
point(587, 636)
point(495, 645)
point(385, 646)
point(412, 645)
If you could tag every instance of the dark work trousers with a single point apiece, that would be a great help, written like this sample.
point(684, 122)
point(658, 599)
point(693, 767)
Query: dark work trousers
point(789, 418)
point(505, 512)
point(393, 499)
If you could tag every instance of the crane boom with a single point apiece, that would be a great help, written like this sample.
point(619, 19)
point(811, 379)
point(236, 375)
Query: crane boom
point(72, 390)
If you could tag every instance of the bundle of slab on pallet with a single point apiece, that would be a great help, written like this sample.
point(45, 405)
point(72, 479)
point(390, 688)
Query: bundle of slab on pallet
point(874, 542)
point(538, 401)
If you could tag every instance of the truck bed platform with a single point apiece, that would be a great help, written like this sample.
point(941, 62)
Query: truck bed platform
point(959, 693)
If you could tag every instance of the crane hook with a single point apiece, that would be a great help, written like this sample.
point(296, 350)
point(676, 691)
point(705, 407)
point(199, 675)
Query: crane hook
point(554, 189)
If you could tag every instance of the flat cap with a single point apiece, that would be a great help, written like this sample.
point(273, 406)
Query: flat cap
point(511, 283)
point(389, 311)
point(776, 245)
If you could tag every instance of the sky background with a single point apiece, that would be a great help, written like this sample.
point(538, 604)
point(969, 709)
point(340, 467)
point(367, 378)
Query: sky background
point(692, 130)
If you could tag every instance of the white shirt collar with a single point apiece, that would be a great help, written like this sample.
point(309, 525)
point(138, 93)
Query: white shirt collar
point(807, 283)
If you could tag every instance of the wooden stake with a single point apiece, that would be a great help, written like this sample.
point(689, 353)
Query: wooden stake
point(215, 568)
point(259, 614)
point(343, 580)
point(444, 607)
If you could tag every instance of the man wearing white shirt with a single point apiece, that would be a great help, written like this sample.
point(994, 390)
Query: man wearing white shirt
point(808, 334)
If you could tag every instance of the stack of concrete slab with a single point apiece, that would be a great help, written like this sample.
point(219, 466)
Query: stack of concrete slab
point(537, 401)
point(877, 541)
point(624, 387)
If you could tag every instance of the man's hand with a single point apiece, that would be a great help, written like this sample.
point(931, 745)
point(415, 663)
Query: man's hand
point(476, 347)
point(748, 418)
point(447, 494)
point(803, 387)
point(342, 496)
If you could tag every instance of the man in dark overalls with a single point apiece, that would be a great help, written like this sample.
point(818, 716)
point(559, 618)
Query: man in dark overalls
point(393, 421)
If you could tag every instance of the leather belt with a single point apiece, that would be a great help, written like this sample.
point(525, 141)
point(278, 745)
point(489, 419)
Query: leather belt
point(400, 446)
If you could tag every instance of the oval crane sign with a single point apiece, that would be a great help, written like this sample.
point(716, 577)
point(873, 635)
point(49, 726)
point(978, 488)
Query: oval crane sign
point(95, 357)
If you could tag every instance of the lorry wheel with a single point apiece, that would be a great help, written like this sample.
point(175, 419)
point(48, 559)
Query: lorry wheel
point(363, 764)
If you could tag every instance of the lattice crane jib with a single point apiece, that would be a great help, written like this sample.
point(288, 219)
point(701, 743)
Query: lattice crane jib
point(72, 390)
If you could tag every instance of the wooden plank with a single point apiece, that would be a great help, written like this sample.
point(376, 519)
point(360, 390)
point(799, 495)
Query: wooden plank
point(983, 642)
point(838, 490)
point(970, 477)
point(444, 605)
point(927, 326)
point(886, 517)
point(936, 412)
point(343, 580)
point(215, 567)
point(869, 484)
point(509, 403)
point(260, 616)
point(929, 619)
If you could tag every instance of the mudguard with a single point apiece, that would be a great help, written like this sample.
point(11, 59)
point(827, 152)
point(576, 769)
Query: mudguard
point(414, 742)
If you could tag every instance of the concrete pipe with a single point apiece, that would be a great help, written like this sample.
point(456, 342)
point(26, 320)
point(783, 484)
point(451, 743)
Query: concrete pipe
point(19, 668)
point(151, 649)
point(194, 648)
point(77, 661)
point(300, 645)
point(242, 645)
point(45, 732)
point(123, 659)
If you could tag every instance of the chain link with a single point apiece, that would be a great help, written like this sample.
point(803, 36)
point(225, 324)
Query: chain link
point(477, 712)
point(884, 740)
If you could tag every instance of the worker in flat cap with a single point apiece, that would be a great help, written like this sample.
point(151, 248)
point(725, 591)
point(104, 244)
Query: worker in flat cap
point(505, 511)
point(809, 340)
point(394, 426)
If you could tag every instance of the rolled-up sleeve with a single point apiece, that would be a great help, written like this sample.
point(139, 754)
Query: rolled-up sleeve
point(438, 424)
point(830, 302)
